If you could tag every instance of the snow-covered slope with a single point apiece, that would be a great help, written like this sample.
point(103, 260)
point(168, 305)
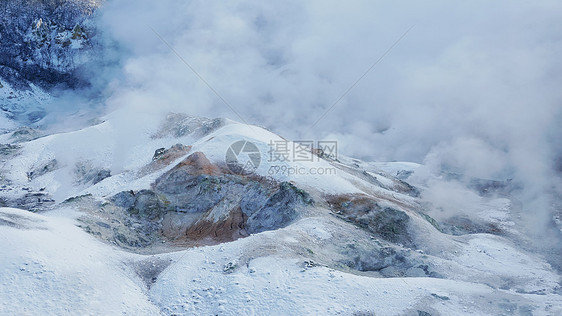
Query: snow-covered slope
point(153, 217)
point(50, 267)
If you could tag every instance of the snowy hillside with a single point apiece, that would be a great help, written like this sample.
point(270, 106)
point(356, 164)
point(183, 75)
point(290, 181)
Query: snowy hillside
point(119, 196)
point(165, 223)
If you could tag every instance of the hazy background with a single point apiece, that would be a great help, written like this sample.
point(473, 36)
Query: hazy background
point(474, 83)
point(474, 87)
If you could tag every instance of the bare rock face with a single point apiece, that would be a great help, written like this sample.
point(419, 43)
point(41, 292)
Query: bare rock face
point(228, 228)
point(42, 169)
point(197, 201)
point(388, 260)
point(279, 210)
point(148, 205)
point(30, 201)
point(8, 150)
point(24, 134)
point(85, 173)
point(385, 222)
point(164, 157)
point(145, 204)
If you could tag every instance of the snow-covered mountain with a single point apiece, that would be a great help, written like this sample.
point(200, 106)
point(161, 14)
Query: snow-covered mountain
point(148, 212)
point(162, 221)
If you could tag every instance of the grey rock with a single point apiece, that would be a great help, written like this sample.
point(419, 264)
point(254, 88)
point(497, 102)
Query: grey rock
point(196, 194)
point(385, 222)
point(387, 259)
point(25, 134)
point(196, 200)
point(9, 149)
point(43, 169)
point(230, 267)
point(124, 199)
point(254, 198)
point(279, 210)
point(391, 225)
point(486, 187)
point(86, 173)
point(444, 298)
point(158, 153)
point(265, 207)
point(148, 205)
point(100, 175)
point(404, 174)
point(32, 201)
point(462, 225)
point(35, 116)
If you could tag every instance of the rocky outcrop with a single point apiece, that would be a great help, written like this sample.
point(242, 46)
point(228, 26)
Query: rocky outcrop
point(86, 173)
point(385, 222)
point(30, 201)
point(145, 204)
point(278, 211)
point(197, 201)
point(42, 169)
point(9, 149)
point(462, 225)
point(24, 134)
point(388, 260)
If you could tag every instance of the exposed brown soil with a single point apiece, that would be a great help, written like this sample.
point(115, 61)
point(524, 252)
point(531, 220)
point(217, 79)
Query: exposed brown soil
point(197, 164)
point(224, 230)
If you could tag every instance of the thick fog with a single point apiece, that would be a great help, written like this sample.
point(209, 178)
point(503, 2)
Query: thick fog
point(470, 88)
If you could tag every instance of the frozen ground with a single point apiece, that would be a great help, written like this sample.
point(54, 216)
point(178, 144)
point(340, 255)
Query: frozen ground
point(50, 266)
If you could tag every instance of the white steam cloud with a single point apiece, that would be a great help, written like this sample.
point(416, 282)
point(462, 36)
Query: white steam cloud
point(474, 86)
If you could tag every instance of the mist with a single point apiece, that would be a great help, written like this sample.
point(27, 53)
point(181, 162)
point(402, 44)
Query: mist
point(472, 89)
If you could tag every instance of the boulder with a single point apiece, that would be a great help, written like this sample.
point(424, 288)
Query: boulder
point(279, 210)
point(386, 222)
